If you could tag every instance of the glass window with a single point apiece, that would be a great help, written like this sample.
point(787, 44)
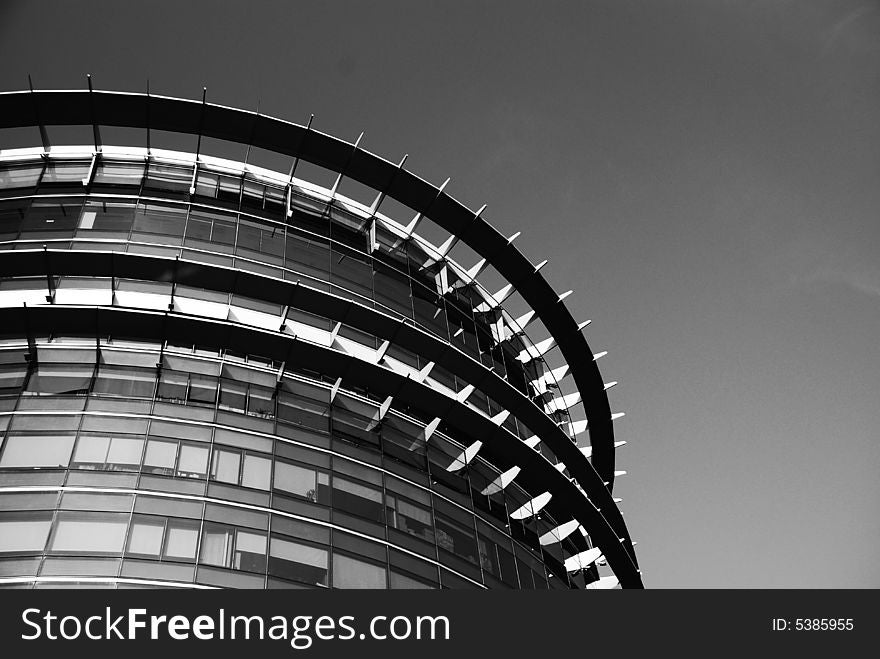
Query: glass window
point(128, 382)
point(392, 289)
point(223, 232)
point(181, 539)
point(249, 235)
point(306, 483)
point(21, 534)
point(91, 450)
point(298, 562)
point(351, 573)
point(489, 556)
point(257, 472)
point(89, 533)
point(409, 517)
point(261, 401)
point(225, 546)
point(456, 538)
point(202, 389)
point(12, 214)
point(125, 452)
point(208, 227)
point(164, 220)
point(229, 188)
point(103, 216)
point(352, 271)
point(146, 536)
point(357, 499)
point(113, 453)
point(172, 178)
point(172, 386)
point(250, 551)
point(193, 461)
point(160, 456)
point(233, 396)
point(119, 173)
point(216, 545)
point(403, 582)
point(206, 184)
point(12, 377)
point(308, 255)
point(171, 539)
point(54, 379)
point(57, 216)
point(66, 172)
point(36, 451)
point(225, 466)
point(198, 228)
point(20, 175)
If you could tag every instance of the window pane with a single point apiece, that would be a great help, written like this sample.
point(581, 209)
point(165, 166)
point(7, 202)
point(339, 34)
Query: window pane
point(146, 537)
point(216, 546)
point(66, 172)
point(302, 482)
point(60, 379)
point(203, 389)
point(402, 582)
point(36, 451)
point(23, 534)
point(159, 220)
point(292, 560)
point(168, 177)
point(91, 451)
point(233, 396)
point(20, 176)
point(489, 556)
point(160, 456)
point(172, 386)
point(132, 382)
point(250, 552)
point(410, 518)
point(358, 499)
point(125, 452)
point(89, 534)
point(119, 173)
point(352, 573)
point(11, 377)
point(181, 541)
point(456, 539)
point(260, 401)
point(225, 466)
point(193, 461)
point(257, 472)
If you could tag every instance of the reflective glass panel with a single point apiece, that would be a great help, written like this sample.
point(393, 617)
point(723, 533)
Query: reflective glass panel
point(20, 535)
point(36, 451)
point(299, 562)
point(351, 573)
point(89, 533)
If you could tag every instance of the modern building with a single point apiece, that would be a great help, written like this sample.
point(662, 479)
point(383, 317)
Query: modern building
point(216, 374)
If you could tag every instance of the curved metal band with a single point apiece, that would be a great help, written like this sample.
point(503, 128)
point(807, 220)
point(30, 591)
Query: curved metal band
point(136, 110)
point(538, 473)
point(221, 278)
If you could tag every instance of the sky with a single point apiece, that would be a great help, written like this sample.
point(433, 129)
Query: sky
point(703, 174)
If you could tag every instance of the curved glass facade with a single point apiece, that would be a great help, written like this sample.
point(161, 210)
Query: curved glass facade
point(212, 374)
point(164, 463)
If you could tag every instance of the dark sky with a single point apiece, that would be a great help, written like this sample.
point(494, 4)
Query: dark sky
point(704, 175)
